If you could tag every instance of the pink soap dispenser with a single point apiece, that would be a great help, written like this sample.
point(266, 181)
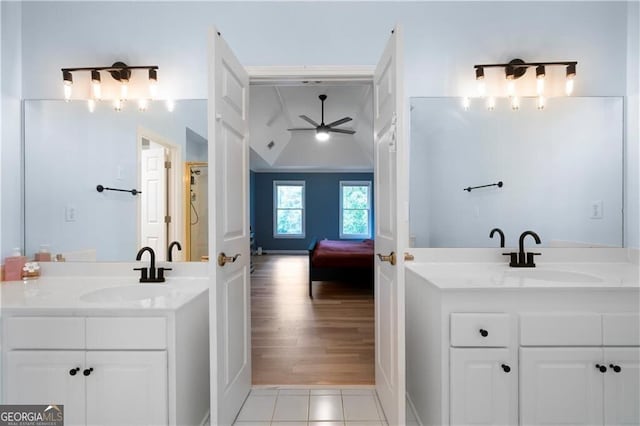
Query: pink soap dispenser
point(13, 266)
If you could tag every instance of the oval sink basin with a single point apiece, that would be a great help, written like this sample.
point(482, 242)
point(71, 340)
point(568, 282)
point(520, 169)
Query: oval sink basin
point(554, 275)
point(127, 293)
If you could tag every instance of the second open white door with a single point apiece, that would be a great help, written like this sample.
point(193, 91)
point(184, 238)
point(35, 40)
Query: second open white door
point(391, 207)
point(229, 308)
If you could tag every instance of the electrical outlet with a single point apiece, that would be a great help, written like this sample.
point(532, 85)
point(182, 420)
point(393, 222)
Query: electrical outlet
point(70, 213)
point(596, 209)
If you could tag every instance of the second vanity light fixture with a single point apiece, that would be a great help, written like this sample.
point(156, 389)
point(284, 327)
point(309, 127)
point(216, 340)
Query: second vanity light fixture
point(517, 68)
point(120, 72)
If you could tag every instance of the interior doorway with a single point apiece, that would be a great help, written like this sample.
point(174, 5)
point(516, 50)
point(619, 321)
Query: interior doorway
point(302, 190)
point(196, 191)
point(159, 173)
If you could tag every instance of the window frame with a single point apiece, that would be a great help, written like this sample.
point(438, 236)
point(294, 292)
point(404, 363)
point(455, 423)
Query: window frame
point(344, 183)
point(276, 184)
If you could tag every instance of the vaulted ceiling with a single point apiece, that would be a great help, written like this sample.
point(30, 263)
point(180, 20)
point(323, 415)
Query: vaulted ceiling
point(274, 109)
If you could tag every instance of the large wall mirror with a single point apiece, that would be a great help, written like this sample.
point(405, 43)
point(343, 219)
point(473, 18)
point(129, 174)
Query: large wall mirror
point(162, 154)
point(561, 169)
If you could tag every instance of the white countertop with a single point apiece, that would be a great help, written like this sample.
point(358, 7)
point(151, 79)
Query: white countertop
point(53, 294)
point(487, 275)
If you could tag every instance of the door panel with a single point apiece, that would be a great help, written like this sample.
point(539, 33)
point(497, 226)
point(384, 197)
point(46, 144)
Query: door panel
point(391, 229)
point(622, 387)
point(482, 391)
point(229, 232)
point(561, 386)
point(42, 377)
point(153, 201)
point(127, 387)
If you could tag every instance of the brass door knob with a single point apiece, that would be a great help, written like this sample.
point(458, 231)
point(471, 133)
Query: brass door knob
point(391, 258)
point(223, 259)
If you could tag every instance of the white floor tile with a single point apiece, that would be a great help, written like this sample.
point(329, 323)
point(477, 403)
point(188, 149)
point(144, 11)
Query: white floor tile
point(292, 408)
point(288, 423)
point(294, 392)
point(360, 408)
point(326, 423)
point(257, 408)
point(325, 392)
point(357, 391)
point(252, 424)
point(325, 407)
point(368, 423)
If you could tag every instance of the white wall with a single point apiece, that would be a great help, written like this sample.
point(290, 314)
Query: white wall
point(632, 202)
point(11, 235)
point(442, 40)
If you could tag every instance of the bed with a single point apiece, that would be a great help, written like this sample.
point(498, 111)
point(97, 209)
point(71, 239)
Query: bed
point(332, 260)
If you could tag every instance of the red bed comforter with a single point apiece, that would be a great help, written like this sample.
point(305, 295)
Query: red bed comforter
point(350, 254)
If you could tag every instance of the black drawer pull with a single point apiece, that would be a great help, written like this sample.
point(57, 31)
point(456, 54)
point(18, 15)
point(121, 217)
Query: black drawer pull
point(602, 368)
point(87, 371)
point(483, 332)
point(506, 368)
point(615, 368)
point(73, 371)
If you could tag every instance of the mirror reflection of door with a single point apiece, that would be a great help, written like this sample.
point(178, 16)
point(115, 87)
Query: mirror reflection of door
point(196, 212)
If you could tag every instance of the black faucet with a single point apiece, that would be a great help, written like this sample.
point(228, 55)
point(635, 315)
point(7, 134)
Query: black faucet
point(523, 259)
point(499, 231)
point(148, 275)
point(170, 250)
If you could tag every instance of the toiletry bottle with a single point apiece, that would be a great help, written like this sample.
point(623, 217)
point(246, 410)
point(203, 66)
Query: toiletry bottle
point(43, 255)
point(13, 266)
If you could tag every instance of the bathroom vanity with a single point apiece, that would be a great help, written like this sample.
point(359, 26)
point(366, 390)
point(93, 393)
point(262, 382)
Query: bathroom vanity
point(556, 344)
point(111, 350)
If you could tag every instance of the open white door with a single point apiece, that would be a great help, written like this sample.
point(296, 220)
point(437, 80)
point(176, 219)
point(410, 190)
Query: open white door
point(230, 332)
point(391, 229)
point(153, 201)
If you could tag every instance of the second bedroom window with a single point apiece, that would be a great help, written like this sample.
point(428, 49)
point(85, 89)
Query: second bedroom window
point(288, 206)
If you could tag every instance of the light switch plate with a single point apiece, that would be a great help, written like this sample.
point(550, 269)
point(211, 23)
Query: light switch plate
point(596, 209)
point(70, 213)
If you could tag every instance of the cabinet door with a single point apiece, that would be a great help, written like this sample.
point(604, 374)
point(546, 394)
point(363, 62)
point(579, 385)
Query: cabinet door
point(45, 377)
point(622, 386)
point(484, 385)
point(561, 386)
point(127, 387)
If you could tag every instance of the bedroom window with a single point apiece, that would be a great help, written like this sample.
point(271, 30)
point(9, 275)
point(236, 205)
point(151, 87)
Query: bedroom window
point(355, 209)
point(288, 206)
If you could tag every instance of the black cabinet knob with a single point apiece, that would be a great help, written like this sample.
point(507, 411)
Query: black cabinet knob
point(483, 332)
point(602, 368)
point(615, 368)
point(87, 371)
point(73, 371)
point(506, 368)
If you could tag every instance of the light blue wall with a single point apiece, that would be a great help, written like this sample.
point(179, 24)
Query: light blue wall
point(322, 209)
point(442, 41)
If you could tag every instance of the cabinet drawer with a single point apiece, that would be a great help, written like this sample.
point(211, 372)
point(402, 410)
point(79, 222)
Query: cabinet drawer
point(44, 333)
point(573, 329)
point(621, 329)
point(480, 330)
point(126, 333)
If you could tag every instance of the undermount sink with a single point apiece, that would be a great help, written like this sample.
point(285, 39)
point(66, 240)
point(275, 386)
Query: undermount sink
point(127, 293)
point(554, 275)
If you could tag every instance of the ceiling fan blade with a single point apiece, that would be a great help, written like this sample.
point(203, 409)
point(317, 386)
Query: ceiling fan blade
point(345, 131)
point(339, 122)
point(302, 128)
point(308, 120)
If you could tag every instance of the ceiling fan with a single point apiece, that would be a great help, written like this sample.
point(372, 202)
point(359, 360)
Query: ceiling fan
point(322, 130)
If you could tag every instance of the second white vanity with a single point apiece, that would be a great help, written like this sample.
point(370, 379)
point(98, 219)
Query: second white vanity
point(493, 345)
point(109, 349)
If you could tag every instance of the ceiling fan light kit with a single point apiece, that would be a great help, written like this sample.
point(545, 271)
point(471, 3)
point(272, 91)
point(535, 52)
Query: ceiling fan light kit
point(323, 130)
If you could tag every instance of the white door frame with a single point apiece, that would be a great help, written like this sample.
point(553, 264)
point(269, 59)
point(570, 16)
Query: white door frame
point(176, 232)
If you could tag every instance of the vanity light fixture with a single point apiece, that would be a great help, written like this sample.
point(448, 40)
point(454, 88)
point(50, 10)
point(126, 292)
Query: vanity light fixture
point(516, 68)
point(119, 71)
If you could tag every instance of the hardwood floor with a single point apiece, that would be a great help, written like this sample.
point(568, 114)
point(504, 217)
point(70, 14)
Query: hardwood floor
point(327, 340)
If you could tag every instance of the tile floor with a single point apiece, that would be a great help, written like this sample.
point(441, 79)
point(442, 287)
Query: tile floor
point(311, 407)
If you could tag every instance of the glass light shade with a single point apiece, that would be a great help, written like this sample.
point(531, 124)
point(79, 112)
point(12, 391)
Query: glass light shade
point(322, 135)
point(91, 104)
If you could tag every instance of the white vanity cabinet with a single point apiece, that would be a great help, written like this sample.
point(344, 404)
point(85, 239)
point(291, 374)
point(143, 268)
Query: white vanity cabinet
point(110, 366)
point(110, 371)
point(573, 354)
point(572, 373)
